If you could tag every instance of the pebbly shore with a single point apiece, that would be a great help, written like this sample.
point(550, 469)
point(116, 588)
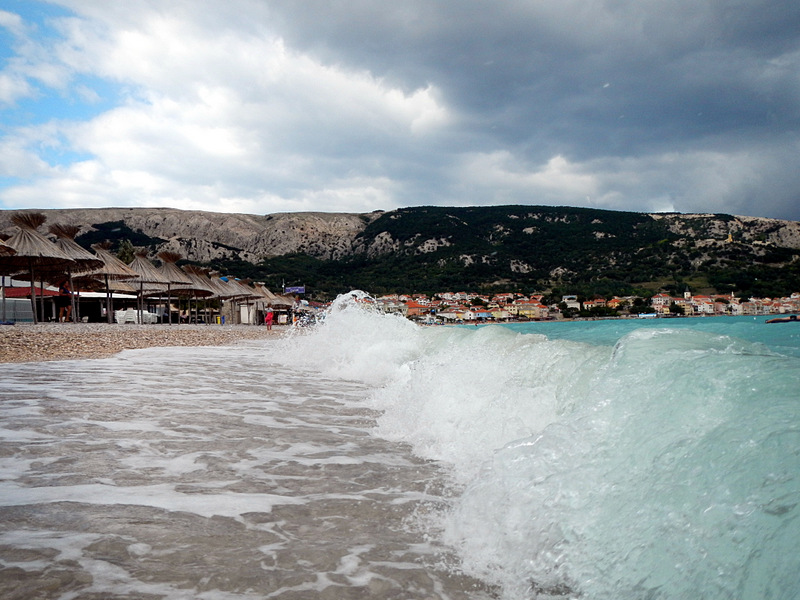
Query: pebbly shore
point(68, 341)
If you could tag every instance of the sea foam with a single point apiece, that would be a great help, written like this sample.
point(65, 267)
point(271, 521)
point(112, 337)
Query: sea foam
point(629, 461)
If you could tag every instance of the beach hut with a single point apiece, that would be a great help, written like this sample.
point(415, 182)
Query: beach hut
point(268, 300)
point(33, 252)
point(231, 291)
point(148, 274)
point(173, 275)
point(83, 260)
point(283, 304)
point(245, 295)
point(112, 269)
point(200, 287)
point(224, 292)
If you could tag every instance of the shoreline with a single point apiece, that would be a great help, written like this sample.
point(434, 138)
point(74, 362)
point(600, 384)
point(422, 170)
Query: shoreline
point(22, 343)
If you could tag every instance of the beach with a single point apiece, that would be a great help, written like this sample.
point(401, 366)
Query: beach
point(215, 472)
point(70, 341)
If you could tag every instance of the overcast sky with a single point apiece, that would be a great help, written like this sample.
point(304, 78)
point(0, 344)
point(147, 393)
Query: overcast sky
point(262, 106)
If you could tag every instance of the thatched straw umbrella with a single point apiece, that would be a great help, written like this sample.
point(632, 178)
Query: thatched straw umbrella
point(221, 291)
point(230, 288)
point(124, 287)
point(113, 268)
point(199, 288)
point(221, 287)
point(147, 274)
point(234, 290)
point(85, 261)
point(173, 275)
point(4, 251)
point(246, 293)
point(225, 291)
point(33, 252)
point(276, 300)
point(273, 300)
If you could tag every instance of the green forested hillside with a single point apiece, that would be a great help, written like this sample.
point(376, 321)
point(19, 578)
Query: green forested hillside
point(553, 250)
point(550, 249)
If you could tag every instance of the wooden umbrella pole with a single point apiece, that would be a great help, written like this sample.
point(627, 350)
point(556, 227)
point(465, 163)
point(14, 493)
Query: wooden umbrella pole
point(109, 306)
point(41, 298)
point(33, 291)
point(72, 302)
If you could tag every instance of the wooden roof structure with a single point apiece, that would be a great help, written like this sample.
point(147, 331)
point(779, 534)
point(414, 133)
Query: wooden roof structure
point(170, 270)
point(6, 250)
point(33, 254)
point(84, 261)
point(112, 269)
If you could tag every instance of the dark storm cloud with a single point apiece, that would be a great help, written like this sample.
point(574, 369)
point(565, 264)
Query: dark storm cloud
point(580, 77)
point(660, 105)
point(673, 70)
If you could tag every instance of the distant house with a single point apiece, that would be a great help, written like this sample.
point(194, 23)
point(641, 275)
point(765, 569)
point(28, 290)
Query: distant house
point(590, 304)
point(616, 302)
point(571, 301)
point(661, 300)
point(685, 305)
point(415, 309)
point(452, 313)
point(530, 309)
point(392, 306)
point(703, 305)
point(479, 313)
point(505, 298)
point(500, 314)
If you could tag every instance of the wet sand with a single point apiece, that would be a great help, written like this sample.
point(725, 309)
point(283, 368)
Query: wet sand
point(163, 475)
point(68, 341)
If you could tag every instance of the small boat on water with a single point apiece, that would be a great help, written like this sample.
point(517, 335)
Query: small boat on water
point(789, 319)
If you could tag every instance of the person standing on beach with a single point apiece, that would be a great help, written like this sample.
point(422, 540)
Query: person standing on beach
point(64, 302)
point(268, 319)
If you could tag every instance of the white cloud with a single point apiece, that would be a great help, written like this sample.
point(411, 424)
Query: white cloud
point(698, 181)
point(259, 105)
point(12, 22)
point(214, 118)
point(13, 84)
point(20, 152)
point(556, 181)
point(359, 194)
point(12, 88)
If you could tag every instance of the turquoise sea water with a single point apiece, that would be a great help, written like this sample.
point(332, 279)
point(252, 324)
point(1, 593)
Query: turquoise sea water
point(640, 459)
point(372, 458)
point(780, 337)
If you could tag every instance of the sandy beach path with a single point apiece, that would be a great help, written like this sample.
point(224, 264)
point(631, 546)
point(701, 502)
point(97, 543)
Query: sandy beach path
point(67, 341)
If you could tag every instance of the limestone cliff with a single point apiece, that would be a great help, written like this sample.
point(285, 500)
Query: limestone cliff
point(204, 236)
point(515, 243)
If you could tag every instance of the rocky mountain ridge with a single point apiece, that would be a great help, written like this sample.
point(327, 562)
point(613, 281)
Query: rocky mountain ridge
point(526, 247)
point(202, 236)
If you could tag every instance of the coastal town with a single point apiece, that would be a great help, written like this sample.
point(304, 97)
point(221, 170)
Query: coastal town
point(251, 302)
point(463, 307)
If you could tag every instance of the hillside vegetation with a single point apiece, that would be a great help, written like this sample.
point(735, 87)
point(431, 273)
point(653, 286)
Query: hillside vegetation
point(429, 249)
